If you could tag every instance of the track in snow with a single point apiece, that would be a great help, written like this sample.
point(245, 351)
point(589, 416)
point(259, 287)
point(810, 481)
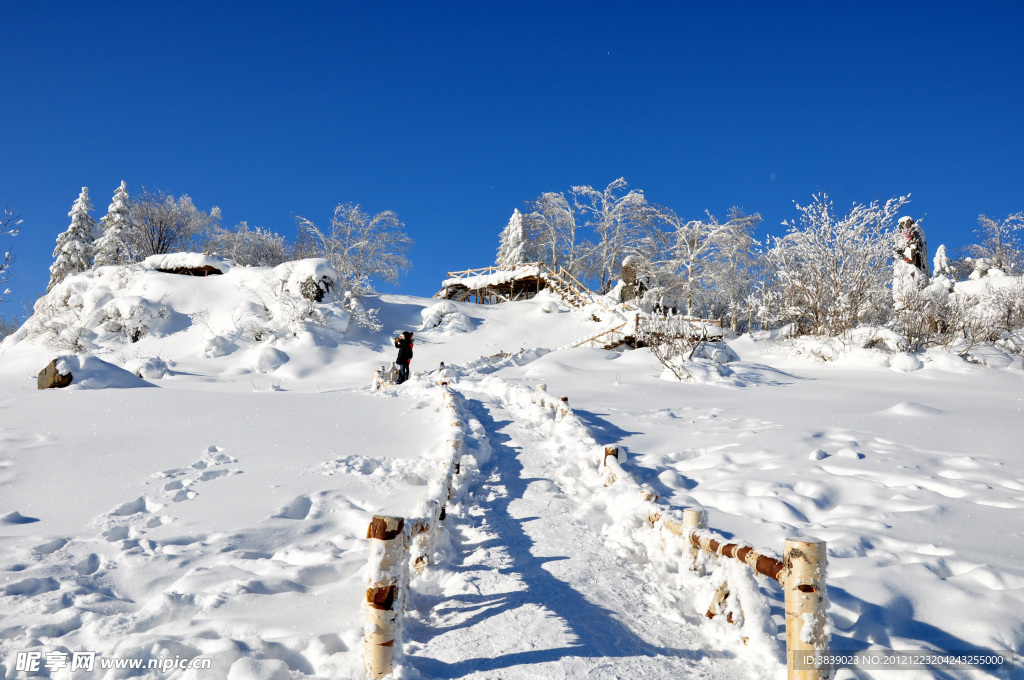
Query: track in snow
point(531, 591)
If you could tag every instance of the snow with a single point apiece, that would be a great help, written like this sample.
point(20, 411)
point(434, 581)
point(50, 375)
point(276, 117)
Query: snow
point(218, 506)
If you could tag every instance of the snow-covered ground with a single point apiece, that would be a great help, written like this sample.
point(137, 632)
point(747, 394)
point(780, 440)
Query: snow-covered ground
point(220, 511)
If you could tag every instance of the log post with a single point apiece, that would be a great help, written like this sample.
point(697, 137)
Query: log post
point(805, 561)
point(423, 532)
point(383, 597)
point(694, 519)
point(610, 452)
point(563, 407)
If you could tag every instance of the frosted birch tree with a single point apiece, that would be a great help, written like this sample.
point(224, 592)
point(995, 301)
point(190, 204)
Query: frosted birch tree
point(620, 221)
point(112, 245)
point(553, 228)
point(253, 247)
point(735, 263)
point(74, 249)
point(362, 247)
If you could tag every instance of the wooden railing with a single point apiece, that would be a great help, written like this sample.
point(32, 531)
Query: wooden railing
point(801, 572)
point(396, 543)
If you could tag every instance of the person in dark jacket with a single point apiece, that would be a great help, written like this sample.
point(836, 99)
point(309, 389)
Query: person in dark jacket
point(404, 344)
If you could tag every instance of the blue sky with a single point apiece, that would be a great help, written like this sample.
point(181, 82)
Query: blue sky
point(454, 114)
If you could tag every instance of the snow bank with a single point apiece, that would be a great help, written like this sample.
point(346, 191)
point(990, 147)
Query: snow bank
point(92, 373)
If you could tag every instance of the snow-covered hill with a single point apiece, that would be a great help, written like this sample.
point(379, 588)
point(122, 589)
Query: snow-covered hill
point(216, 507)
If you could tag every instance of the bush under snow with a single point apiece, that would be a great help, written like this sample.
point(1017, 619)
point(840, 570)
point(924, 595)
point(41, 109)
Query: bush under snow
point(445, 316)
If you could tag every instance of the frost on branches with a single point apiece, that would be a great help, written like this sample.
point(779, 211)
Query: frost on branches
point(10, 224)
point(75, 246)
point(831, 272)
point(362, 247)
point(112, 246)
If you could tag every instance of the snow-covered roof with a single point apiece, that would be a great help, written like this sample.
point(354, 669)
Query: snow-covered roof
point(498, 278)
point(171, 261)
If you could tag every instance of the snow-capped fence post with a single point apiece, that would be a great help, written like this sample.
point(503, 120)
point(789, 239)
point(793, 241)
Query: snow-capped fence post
point(383, 597)
point(562, 408)
point(694, 519)
point(610, 452)
point(804, 585)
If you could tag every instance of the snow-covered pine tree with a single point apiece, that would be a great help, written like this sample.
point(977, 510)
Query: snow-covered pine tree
point(73, 253)
point(111, 247)
point(941, 265)
point(514, 243)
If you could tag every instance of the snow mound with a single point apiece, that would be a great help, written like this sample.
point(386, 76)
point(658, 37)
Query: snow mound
point(15, 517)
point(268, 359)
point(905, 363)
point(549, 307)
point(445, 316)
point(912, 408)
point(92, 373)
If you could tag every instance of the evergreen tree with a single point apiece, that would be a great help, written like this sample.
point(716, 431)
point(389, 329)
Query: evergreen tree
point(514, 243)
point(111, 247)
point(73, 253)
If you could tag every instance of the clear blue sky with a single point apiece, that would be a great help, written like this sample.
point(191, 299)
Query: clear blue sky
point(454, 114)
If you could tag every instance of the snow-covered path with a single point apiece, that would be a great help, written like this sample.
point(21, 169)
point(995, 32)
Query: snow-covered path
point(532, 590)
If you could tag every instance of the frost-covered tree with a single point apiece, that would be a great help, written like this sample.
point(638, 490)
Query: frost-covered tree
point(255, 247)
point(621, 223)
point(999, 244)
point(514, 245)
point(553, 230)
point(362, 247)
point(832, 271)
point(160, 224)
point(734, 266)
point(10, 224)
point(112, 245)
point(73, 253)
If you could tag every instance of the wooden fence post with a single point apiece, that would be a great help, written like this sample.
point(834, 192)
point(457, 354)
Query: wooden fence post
point(696, 519)
point(562, 408)
point(804, 585)
point(383, 597)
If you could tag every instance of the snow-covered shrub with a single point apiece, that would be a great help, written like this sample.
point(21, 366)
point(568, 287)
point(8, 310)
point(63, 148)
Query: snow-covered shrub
point(549, 307)
point(150, 368)
point(364, 318)
point(718, 352)
point(832, 271)
point(445, 316)
point(288, 298)
point(674, 341)
point(130, 316)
